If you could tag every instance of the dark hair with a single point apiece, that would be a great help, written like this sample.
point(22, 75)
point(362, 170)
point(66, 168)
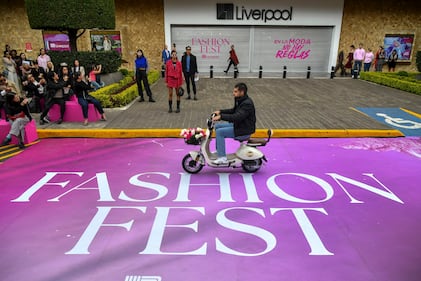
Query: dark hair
point(241, 87)
point(139, 50)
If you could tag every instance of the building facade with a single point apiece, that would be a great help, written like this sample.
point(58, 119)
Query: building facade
point(267, 33)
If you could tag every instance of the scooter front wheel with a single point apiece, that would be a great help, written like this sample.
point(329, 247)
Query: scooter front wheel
point(251, 166)
point(190, 165)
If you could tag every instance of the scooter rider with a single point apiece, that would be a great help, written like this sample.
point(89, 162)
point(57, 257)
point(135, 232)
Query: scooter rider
point(241, 121)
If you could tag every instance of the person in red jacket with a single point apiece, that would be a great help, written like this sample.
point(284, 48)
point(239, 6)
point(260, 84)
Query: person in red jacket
point(233, 59)
point(174, 79)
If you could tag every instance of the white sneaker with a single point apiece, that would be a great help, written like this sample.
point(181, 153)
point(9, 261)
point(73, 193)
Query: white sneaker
point(221, 160)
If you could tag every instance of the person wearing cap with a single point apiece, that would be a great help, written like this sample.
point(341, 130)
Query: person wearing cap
point(18, 115)
point(189, 64)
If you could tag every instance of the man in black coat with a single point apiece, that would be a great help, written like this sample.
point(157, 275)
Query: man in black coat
point(241, 121)
point(189, 64)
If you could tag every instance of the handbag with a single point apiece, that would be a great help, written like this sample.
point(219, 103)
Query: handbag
point(180, 92)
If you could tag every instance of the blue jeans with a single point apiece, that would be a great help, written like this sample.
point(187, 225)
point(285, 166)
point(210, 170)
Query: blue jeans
point(97, 85)
point(84, 104)
point(223, 131)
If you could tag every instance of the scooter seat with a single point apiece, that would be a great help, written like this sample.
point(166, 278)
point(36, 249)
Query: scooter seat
point(257, 142)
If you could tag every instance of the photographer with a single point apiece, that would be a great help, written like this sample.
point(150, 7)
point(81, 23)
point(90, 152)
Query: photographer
point(94, 77)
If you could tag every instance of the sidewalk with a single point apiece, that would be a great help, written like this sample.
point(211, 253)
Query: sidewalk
point(293, 107)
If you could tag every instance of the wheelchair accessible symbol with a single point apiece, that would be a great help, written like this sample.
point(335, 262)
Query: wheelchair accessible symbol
point(400, 122)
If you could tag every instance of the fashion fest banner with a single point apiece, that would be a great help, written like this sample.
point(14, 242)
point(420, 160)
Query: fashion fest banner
point(124, 209)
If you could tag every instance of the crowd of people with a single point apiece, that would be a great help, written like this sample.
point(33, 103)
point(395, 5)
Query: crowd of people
point(358, 59)
point(36, 85)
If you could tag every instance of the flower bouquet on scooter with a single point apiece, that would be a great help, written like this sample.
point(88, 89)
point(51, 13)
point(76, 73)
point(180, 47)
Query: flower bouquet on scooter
point(193, 135)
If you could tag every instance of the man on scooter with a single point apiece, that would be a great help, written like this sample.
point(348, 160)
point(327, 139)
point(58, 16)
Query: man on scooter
point(241, 121)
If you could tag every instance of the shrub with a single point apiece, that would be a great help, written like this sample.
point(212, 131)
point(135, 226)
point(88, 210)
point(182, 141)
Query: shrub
point(123, 92)
point(409, 84)
point(403, 73)
point(110, 61)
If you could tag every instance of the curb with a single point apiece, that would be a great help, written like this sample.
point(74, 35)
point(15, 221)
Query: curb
point(175, 133)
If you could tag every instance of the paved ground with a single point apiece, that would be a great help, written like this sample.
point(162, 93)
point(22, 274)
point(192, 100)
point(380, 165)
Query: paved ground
point(304, 105)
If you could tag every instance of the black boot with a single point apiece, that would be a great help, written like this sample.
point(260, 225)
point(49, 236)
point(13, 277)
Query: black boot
point(141, 99)
point(6, 141)
point(178, 107)
point(170, 106)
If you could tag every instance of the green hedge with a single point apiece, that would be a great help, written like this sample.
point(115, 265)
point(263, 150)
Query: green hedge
point(122, 93)
point(406, 82)
point(110, 61)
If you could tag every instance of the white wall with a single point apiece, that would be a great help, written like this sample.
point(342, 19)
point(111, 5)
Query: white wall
point(304, 13)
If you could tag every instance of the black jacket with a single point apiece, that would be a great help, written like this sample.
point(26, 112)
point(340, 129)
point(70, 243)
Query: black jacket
point(243, 115)
point(13, 108)
point(193, 63)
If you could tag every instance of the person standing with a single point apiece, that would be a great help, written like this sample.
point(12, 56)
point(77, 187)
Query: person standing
point(141, 64)
point(174, 79)
point(11, 70)
point(18, 116)
point(43, 58)
point(368, 59)
point(340, 64)
point(241, 121)
point(359, 55)
point(233, 60)
point(380, 57)
point(350, 59)
point(391, 60)
point(189, 63)
point(166, 55)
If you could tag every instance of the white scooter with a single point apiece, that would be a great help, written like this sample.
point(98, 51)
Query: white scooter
point(247, 155)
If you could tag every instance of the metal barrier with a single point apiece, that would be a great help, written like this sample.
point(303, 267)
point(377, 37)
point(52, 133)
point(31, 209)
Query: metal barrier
point(211, 72)
point(260, 71)
point(284, 75)
point(308, 72)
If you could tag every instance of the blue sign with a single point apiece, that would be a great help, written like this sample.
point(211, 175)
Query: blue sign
point(396, 118)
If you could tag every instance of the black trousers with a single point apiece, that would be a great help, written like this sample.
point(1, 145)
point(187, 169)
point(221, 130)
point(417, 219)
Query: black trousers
point(189, 77)
point(142, 78)
point(50, 102)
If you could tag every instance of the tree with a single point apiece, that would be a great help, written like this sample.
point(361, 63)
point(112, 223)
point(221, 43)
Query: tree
point(71, 17)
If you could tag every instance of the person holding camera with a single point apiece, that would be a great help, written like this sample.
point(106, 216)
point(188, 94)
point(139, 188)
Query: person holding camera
point(94, 77)
point(84, 98)
point(174, 80)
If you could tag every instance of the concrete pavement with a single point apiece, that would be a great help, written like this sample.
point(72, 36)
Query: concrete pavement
point(292, 107)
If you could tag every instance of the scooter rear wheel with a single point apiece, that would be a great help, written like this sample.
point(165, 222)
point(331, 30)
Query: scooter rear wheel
point(190, 165)
point(251, 166)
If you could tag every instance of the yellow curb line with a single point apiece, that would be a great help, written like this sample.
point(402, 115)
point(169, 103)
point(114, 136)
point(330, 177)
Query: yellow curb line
point(411, 112)
point(174, 133)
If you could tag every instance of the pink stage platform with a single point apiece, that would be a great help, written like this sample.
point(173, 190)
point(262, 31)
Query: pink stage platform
point(73, 112)
point(125, 210)
point(31, 134)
